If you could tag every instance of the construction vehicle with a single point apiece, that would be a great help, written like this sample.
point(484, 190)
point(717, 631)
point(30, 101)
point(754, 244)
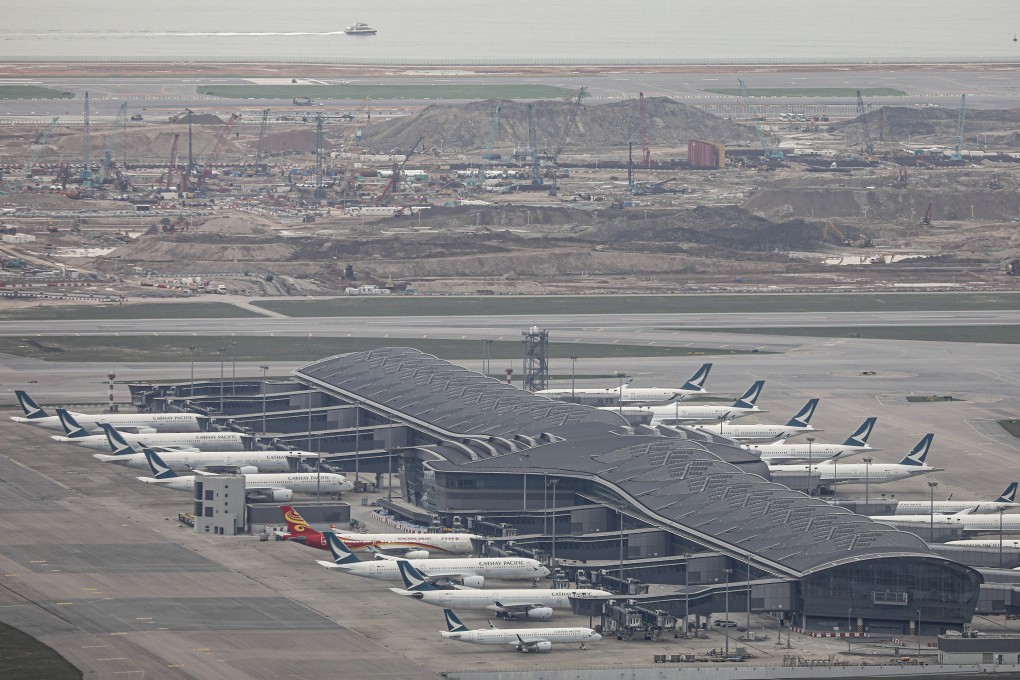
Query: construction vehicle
point(859, 240)
point(1013, 267)
point(398, 171)
point(302, 101)
point(926, 220)
point(958, 150)
point(862, 115)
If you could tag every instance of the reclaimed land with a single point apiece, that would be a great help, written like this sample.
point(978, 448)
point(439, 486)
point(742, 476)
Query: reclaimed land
point(32, 92)
point(810, 91)
point(638, 304)
point(167, 310)
point(359, 92)
point(168, 348)
point(1003, 335)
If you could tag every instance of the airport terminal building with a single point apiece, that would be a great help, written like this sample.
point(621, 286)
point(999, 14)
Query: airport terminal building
point(677, 521)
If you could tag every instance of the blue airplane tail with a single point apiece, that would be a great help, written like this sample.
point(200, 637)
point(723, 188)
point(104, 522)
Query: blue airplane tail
point(72, 428)
point(803, 417)
point(1009, 495)
point(32, 410)
point(413, 579)
point(861, 434)
point(341, 553)
point(919, 452)
point(697, 381)
point(454, 624)
point(118, 444)
point(747, 399)
point(160, 470)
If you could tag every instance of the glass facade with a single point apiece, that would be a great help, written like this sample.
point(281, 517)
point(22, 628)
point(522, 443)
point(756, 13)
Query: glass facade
point(893, 589)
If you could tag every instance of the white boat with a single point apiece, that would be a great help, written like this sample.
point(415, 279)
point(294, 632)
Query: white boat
point(360, 28)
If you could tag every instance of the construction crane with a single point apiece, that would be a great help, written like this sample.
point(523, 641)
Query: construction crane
point(926, 220)
point(646, 152)
point(862, 116)
point(571, 117)
point(166, 180)
point(398, 170)
point(958, 151)
point(111, 144)
point(262, 136)
point(221, 140)
point(479, 180)
point(86, 170)
point(40, 144)
point(536, 172)
point(762, 138)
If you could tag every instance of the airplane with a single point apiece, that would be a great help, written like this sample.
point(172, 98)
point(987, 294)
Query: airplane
point(828, 472)
point(985, 543)
point(124, 442)
point(245, 462)
point(559, 392)
point(524, 639)
point(412, 546)
point(1005, 501)
point(676, 413)
point(470, 571)
point(781, 451)
point(530, 603)
point(126, 422)
point(663, 395)
point(969, 523)
point(271, 487)
point(799, 424)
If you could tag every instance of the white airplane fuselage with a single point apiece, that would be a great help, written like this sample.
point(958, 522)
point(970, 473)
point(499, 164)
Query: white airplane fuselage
point(815, 452)
point(303, 482)
point(203, 441)
point(652, 396)
point(180, 461)
point(486, 599)
point(509, 568)
point(969, 523)
point(514, 636)
point(454, 544)
point(851, 473)
point(92, 422)
point(952, 507)
point(762, 432)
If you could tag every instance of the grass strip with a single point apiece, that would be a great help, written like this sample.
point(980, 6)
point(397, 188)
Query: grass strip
point(1002, 335)
point(386, 92)
point(169, 310)
point(810, 91)
point(32, 92)
point(169, 348)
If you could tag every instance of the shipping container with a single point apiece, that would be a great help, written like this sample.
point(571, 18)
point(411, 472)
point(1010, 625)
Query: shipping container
point(705, 155)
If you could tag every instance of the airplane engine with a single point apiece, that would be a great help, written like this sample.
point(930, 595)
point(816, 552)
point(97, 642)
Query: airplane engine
point(282, 495)
point(543, 646)
point(540, 613)
point(248, 470)
point(474, 581)
point(416, 555)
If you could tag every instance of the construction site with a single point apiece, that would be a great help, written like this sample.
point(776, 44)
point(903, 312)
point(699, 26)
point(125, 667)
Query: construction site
point(510, 197)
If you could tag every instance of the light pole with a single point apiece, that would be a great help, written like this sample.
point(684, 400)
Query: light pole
point(191, 394)
point(619, 392)
point(524, 461)
point(357, 442)
point(918, 632)
point(931, 511)
point(1001, 510)
point(849, 630)
point(867, 471)
point(687, 594)
point(620, 510)
point(221, 350)
point(748, 594)
point(573, 374)
point(264, 369)
point(810, 459)
point(726, 623)
point(553, 482)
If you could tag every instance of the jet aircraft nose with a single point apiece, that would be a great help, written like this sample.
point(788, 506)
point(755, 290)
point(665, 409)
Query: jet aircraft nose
point(596, 636)
point(544, 571)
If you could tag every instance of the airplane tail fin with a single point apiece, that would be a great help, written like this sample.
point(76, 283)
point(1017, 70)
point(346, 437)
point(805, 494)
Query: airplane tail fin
point(341, 553)
point(296, 524)
point(747, 399)
point(1009, 495)
point(118, 444)
point(32, 410)
point(72, 428)
point(454, 624)
point(627, 383)
point(413, 579)
point(160, 470)
point(861, 434)
point(697, 381)
point(803, 417)
point(919, 452)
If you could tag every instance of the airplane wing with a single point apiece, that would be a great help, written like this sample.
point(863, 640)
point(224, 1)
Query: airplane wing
point(136, 429)
point(530, 645)
point(517, 608)
point(380, 555)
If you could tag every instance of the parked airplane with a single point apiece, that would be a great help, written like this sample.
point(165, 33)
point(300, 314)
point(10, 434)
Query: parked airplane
point(412, 546)
point(244, 462)
point(798, 424)
point(986, 543)
point(126, 422)
point(1003, 502)
point(677, 413)
point(271, 487)
point(649, 396)
point(125, 442)
point(999, 522)
point(559, 392)
point(470, 571)
point(783, 452)
point(530, 603)
point(829, 473)
point(523, 639)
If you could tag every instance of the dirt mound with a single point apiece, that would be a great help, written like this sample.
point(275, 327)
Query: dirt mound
point(899, 123)
point(467, 127)
point(197, 251)
point(150, 143)
point(237, 225)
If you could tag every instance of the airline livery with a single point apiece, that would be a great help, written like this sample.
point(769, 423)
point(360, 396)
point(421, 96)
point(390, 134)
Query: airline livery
point(92, 422)
point(523, 639)
point(830, 472)
point(784, 452)
point(124, 442)
point(798, 424)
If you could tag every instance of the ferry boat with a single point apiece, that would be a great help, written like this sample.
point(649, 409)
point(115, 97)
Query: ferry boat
point(360, 28)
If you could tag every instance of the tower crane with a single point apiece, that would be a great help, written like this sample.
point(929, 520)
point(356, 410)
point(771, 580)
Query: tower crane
point(398, 171)
point(863, 117)
point(111, 143)
point(221, 140)
point(166, 180)
point(762, 138)
point(86, 169)
point(262, 136)
point(536, 173)
point(479, 180)
point(40, 144)
point(646, 152)
point(958, 151)
point(576, 98)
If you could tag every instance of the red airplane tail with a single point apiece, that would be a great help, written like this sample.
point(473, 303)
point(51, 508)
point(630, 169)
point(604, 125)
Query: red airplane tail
point(297, 528)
